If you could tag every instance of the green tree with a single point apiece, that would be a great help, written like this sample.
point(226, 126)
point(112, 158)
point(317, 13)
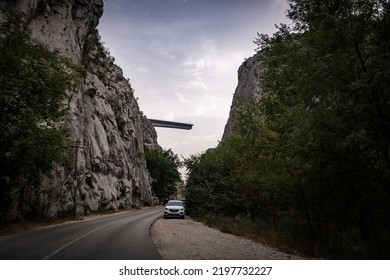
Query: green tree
point(209, 177)
point(327, 98)
point(33, 139)
point(163, 167)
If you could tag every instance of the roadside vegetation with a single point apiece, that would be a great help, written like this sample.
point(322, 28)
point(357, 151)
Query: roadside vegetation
point(163, 166)
point(33, 137)
point(308, 166)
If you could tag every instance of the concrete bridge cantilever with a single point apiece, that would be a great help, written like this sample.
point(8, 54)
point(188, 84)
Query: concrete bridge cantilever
point(168, 124)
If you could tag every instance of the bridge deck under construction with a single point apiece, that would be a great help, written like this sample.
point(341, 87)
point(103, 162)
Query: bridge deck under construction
point(169, 124)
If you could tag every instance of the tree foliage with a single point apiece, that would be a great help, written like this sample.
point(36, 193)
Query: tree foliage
point(33, 84)
point(312, 157)
point(163, 168)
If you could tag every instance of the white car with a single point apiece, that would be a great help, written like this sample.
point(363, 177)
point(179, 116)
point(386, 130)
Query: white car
point(174, 208)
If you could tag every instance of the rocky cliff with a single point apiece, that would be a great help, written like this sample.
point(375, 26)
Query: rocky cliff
point(249, 88)
point(105, 117)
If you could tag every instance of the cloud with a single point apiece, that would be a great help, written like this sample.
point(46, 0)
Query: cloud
point(281, 5)
point(170, 116)
point(206, 138)
point(182, 58)
point(182, 99)
point(162, 51)
point(142, 69)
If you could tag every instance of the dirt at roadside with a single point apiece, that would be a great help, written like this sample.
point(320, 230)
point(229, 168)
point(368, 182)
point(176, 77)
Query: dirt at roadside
point(187, 239)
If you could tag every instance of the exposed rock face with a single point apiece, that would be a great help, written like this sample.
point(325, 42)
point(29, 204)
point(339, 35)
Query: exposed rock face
point(249, 88)
point(105, 117)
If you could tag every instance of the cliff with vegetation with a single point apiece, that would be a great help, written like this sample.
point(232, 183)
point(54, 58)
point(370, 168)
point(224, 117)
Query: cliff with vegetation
point(249, 89)
point(108, 131)
point(305, 160)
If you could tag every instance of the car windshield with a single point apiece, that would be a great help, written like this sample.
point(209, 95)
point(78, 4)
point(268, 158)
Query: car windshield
point(175, 203)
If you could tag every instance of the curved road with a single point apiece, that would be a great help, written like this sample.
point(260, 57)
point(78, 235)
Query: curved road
point(123, 236)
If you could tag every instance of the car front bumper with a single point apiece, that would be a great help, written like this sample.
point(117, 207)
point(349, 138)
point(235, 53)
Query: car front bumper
point(173, 213)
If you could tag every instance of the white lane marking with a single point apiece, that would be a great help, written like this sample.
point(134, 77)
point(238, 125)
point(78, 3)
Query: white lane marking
point(73, 241)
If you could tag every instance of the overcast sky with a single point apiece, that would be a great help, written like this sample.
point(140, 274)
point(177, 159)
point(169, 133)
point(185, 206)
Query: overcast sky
point(182, 57)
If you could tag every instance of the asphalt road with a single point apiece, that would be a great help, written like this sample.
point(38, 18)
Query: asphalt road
point(117, 237)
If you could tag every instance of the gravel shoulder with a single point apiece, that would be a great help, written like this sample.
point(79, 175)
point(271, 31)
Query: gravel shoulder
point(178, 239)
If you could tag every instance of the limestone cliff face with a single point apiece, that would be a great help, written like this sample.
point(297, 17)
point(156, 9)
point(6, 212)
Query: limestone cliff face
point(105, 117)
point(249, 88)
